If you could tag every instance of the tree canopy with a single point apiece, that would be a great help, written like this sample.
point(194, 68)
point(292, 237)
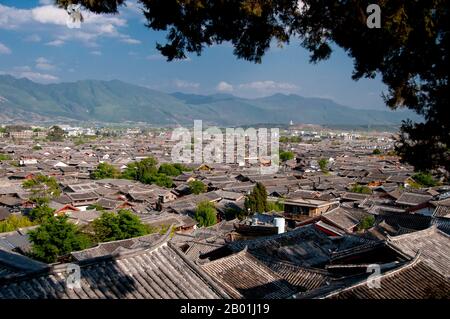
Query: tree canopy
point(105, 170)
point(170, 169)
point(323, 164)
point(146, 172)
point(55, 134)
point(56, 237)
point(111, 226)
point(256, 201)
point(286, 155)
point(424, 179)
point(409, 51)
point(42, 187)
point(41, 212)
point(206, 214)
point(14, 222)
point(197, 187)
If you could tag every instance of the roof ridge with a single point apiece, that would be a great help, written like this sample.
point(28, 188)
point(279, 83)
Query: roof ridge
point(408, 264)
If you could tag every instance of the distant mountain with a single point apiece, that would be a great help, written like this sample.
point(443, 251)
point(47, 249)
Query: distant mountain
point(117, 102)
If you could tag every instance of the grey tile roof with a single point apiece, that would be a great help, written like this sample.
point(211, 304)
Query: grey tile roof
point(157, 273)
point(432, 244)
point(243, 276)
point(415, 280)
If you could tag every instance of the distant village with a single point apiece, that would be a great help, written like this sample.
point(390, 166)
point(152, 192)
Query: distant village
point(343, 218)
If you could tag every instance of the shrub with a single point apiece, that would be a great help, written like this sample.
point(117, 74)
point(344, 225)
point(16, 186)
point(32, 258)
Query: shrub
point(206, 214)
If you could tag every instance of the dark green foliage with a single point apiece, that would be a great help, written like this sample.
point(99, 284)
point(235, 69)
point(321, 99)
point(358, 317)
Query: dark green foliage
point(197, 187)
point(96, 207)
point(206, 214)
point(367, 222)
point(14, 222)
point(425, 179)
point(361, 189)
point(234, 212)
point(376, 151)
point(105, 170)
point(323, 164)
point(42, 186)
point(146, 172)
point(5, 157)
point(172, 169)
point(291, 139)
point(277, 206)
point(123, 225)
point(55, 134)
point(41, 212)
point(256, 201)
point(286, 155)
point(56, 237)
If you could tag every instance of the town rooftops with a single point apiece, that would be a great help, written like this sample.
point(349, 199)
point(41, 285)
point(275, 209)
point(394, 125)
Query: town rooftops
point(432, 244)
point(309, 202)
point(414, 280)
point(243, 276)
point(159, 272)
point(413, 199)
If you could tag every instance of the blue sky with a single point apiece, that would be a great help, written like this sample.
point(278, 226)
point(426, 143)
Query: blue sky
point(36, 43)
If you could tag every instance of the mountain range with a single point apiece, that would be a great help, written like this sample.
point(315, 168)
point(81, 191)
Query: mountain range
point(117, 102)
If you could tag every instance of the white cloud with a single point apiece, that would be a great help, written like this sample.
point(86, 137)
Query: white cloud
point(224, 87)
point(131, 41)
point(26, 72)
point(55, 43)
point(33, 38)
point(257, 88)
point(155, 56)
point(268, 85)
point(44, 64)
point(46, 17)
point(186, 85)
point(4, 49)
point(39, 77)
point(96, 52)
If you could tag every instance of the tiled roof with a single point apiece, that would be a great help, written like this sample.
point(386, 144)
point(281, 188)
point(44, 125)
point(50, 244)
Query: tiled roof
point(243, 276)
point(415, 280)
point(432, 244)
point(157, 273)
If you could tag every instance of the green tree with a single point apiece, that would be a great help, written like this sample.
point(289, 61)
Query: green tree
point(14, 222)
point(410, 50)
point(55, 134)
point(277, 206)
point(41, 212)
point(376, 151)
point(323, 164)
point(56, 237)
point(105, 170)
point(286, 155)
point(5, 157)
point(367, 222)
point(361, 189)
point(197, 187)
point(42, 186)
point(111, 226)
point(256, 201)
point(172, 169)
point(146, 172)
point(425, 179)
point(206, 214)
